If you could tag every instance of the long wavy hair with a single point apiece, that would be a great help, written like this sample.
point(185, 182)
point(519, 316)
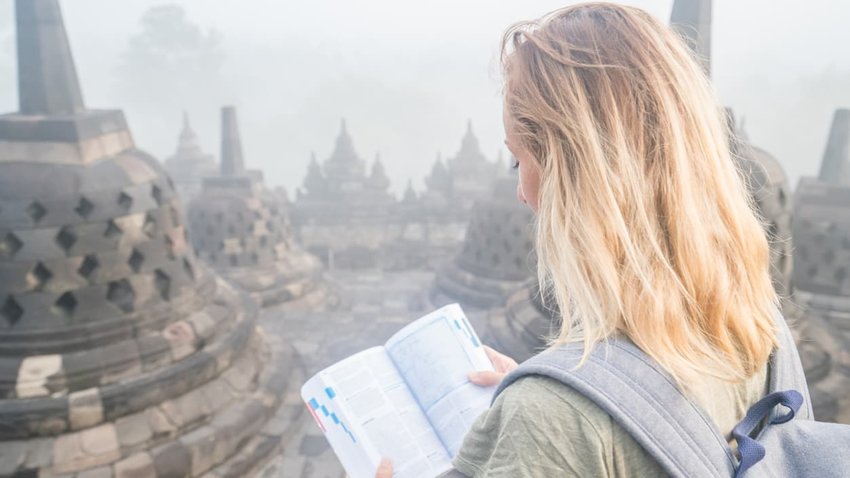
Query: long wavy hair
point(644, 224)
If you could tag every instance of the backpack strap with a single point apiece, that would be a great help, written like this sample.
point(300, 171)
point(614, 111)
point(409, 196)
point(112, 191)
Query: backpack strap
point(643, 399)
point(786, 369)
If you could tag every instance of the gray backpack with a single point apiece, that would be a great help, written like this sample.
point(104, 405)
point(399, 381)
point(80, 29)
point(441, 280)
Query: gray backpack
point(643, 399)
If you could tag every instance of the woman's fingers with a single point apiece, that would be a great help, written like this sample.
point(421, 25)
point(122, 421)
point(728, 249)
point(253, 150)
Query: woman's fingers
point(501, 362)
point(486, 378)
point(385, 469)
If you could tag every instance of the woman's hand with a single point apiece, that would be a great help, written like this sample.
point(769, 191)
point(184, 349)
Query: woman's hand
point(385, 469)
point(501, 362)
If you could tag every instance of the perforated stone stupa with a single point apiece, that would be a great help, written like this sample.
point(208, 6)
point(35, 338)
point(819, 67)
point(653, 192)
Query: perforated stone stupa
point(241, 229)
point(496, 257)
point(120, 353)
point(189, 165)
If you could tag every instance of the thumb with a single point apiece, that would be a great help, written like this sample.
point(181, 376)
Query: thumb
point(486, 378)
point(385, 469)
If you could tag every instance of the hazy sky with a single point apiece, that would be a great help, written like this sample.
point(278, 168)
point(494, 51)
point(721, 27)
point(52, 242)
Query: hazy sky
point(407, 75)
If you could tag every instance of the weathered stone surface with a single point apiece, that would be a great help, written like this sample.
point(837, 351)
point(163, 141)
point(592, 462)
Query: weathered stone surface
point(139, 465)
point(101, 472)
point(172, 461)
point(134, 430)
point(35, 374)
point(86, 409)
point(113, 338)
point(86, 449)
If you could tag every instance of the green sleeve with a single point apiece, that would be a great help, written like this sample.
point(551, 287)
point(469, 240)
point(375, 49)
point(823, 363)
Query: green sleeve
point(540, 428)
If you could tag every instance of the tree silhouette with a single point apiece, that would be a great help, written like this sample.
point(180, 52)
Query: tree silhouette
point(171, 63)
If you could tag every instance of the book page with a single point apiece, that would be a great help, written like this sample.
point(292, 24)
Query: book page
point(366, 411)
point(434, 355)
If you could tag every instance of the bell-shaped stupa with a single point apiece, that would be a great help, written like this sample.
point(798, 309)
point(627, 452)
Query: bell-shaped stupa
point(120, 353)
point(241, 229)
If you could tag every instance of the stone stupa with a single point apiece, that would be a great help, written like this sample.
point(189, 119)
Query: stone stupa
point(496, 257)
point(241, 230)
point(120, 353)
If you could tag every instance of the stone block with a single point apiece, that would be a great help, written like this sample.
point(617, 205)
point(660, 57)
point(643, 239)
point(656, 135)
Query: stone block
point(217, 394)
point(172, 461)
point(12, 457)
point(205, 448)
point(100, 440)
point(39, 453)
point(154, 351)
point(134, 430)
point(100, 472)
point(203, 323)
point(139, 465)
point(35, 373)
point(85, 409)
point(181, 338)
point(121, 361)
point(159, 422)
point(86, 449)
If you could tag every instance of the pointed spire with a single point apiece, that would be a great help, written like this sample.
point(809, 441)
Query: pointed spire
point(187, 144)
point(378, 178)
point(47, 77)
point(409, 193)
point(344, 156)
point(232, 162)
point(188, 139)
point(692, 19)
point(470, 151)
point(835, 167)
point(377, 166)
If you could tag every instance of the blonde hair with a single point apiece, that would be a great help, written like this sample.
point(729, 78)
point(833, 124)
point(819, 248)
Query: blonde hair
point(644, 225)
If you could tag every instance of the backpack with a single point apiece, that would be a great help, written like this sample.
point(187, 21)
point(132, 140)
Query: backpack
point(643, 399)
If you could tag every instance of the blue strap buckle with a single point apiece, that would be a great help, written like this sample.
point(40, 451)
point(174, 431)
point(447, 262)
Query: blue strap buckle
point(751, 450)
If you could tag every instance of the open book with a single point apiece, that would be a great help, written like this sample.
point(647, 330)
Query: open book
point(409, 400)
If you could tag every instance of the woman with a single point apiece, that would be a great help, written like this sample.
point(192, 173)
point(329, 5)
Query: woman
point(644, 230)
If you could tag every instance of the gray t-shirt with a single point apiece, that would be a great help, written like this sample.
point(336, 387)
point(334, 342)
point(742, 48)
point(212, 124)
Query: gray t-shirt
point(539, 427)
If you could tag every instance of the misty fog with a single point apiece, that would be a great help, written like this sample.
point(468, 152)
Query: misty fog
point(405, 75)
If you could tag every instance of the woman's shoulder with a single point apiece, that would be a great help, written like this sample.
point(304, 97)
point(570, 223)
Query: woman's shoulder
point(539, 426)
point(537, 396)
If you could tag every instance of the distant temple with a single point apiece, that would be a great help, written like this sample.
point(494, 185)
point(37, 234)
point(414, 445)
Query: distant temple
point(341, 211)
point(189, 165)
point(456, 184)
point(121, 354)
point(343, 188)
point(240, 229)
